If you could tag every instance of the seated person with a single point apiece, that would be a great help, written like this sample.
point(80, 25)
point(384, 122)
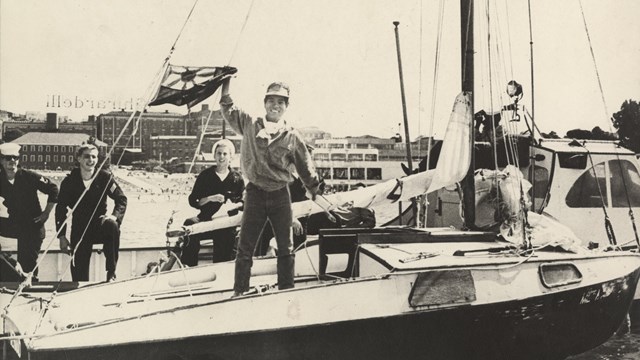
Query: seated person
point(213, 187)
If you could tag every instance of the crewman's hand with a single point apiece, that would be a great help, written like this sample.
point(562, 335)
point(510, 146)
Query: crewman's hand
point(64, 244)
point(42, 218)
point(297, 227)
point(104, 218)
point(225, 85)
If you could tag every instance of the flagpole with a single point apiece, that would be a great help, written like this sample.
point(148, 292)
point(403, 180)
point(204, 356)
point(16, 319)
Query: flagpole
point(406, 120)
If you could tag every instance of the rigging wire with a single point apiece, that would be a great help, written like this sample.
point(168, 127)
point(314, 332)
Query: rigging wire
point(246, 19)
point(434, 91)
point(606, 115)
point(155, 82)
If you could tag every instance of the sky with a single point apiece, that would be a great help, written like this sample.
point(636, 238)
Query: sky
point(339, 57)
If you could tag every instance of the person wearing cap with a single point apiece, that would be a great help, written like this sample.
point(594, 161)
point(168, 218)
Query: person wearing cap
point(269, 147)
point(90, 223)
point(213, 187)
point(19, 197)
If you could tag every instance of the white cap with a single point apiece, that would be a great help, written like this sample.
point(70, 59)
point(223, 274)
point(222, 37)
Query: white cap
point(10, 149)
point(278, 89)
point(224, 142)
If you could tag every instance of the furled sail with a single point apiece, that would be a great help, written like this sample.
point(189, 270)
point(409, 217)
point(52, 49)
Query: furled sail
point(190, 85)
point(455, 156)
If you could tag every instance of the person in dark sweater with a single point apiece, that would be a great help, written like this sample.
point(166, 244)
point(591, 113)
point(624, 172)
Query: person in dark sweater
point(213, 187)
point(90, 224)
point(21, 215)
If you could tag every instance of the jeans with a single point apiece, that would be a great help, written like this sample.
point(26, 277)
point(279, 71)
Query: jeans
point(260, 206)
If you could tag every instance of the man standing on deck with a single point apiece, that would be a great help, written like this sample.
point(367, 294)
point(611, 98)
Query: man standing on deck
point(25, 218)
point(269, 147)
point(90, 224)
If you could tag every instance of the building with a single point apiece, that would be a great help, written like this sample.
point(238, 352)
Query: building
point(52, 124)
point(52, 151)
point(366, 160)
point(312, 133)
point(209, 121)
point(109, 126)
point(178, 151)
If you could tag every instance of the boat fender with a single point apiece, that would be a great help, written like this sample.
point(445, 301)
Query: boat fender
point(191, 279)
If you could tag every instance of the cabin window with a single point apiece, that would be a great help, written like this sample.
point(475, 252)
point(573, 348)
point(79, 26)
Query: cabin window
point(325, 173)
point(356, 173)
point(541, 185)
point(559, 274)
point(354, 157)
point(338, 157)
point(321, 156)
point(625, 182)
point(340, 173)
point(370, 157)
point(572, 160)
point(374, 174)
point(585, 192)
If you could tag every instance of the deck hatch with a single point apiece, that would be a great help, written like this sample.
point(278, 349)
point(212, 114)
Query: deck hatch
point(559, 274)
point(442, 288)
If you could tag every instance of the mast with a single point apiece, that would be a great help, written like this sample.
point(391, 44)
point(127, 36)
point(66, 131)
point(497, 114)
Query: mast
point(466, 52)
point(407, 139)
point(404, 103)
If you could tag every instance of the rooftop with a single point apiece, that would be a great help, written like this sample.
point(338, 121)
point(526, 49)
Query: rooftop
point(54, 138)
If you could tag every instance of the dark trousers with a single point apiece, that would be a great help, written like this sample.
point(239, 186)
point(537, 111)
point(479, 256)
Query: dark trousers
point(108, 234)
point(260, 206)
point(267, 234)
point(29, 244)
point(224, 241)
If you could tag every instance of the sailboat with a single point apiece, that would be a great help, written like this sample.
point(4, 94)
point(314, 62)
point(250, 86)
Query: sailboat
point(382, 293)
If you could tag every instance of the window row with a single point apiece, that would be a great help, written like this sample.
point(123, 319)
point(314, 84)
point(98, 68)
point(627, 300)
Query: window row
point(351, 173)
point(47, 158)
point(56, 148)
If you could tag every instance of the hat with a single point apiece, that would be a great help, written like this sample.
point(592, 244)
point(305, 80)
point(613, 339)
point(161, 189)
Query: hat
point(10, 149)
point(278, 89)
point(224, 142)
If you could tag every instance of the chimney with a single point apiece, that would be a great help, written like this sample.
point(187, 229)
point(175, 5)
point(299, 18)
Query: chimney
point(52, 122)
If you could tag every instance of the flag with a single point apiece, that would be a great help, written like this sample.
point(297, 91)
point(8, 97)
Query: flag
point(190, 85)
point(455, 156)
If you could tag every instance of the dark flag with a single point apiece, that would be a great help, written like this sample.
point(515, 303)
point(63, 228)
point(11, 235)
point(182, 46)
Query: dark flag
point(189, 85)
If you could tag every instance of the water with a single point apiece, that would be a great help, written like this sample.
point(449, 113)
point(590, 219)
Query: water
point(622, 346)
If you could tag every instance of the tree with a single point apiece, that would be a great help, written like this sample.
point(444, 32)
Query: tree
point(627, 122)
point(551, 135)
point(598, 134)
point(579, 134)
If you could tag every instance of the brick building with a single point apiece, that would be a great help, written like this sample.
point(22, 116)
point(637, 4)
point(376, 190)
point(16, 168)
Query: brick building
point(51, 151)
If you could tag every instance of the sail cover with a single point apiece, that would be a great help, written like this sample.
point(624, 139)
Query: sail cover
point(455, 156)
point(190, 85)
